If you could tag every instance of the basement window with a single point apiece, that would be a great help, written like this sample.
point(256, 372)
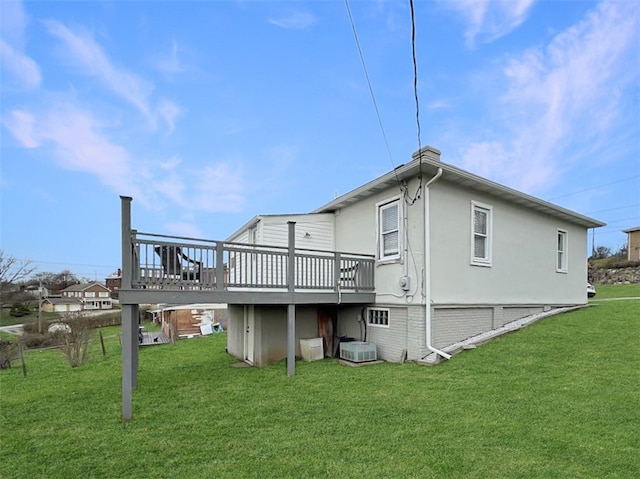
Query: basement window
point(378, 317)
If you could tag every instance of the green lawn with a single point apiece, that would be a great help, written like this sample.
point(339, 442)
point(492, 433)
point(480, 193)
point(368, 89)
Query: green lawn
point(559, 399)
point(604, 291)
point(7, 320)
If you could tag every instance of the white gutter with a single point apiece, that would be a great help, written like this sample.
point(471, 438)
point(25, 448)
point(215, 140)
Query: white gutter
point(427, 267)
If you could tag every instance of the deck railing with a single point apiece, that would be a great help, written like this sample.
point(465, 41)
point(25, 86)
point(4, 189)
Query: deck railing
point(179, 263)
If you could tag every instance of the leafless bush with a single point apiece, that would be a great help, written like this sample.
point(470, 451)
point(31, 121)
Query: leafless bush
point(74, 341)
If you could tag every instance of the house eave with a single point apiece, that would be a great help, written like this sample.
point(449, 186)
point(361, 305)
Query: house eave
point(429, 167)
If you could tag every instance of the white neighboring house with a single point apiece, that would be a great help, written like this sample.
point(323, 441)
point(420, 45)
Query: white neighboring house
point(456, 255)
point(93, 296)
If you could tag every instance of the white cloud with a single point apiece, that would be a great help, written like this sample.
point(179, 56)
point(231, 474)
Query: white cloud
point(171, 163)
point(184, 229)
point(169, 111)
point(489, 20)
point(439, 104)
point(89, 56)
point(13, 22)
point(79, 142)
point(170, 64)
point(294, 21)
point(21, 125)
point(563, 95)
point(21, 66)
point(218, 187)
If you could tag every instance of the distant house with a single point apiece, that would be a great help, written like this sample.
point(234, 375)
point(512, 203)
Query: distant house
point(633, 243)
point(61, 305)
point(37, 291)
point(114, 282)
point(93, 296)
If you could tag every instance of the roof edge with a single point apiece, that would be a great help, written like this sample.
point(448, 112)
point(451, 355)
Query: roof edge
point(427, 160)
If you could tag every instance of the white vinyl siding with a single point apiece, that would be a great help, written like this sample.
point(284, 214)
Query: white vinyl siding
point(481, 233)
point(389, 221)
point(562, 265)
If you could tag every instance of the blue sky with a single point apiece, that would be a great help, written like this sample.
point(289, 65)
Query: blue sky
point(208, 113)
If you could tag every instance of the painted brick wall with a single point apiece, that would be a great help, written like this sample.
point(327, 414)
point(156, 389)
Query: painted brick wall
point(390, 341)
point(511, 314)
point(452, 325)
point(416, 348)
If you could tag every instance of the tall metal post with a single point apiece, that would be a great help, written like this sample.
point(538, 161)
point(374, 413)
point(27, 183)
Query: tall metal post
point(128, 313)
point(291, 308)
point(40, 306)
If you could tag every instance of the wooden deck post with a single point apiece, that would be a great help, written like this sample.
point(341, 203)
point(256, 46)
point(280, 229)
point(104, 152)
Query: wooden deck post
point(219, 266)
point(291, 308)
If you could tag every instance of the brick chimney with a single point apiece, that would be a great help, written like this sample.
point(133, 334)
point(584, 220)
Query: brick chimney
point(427, 153)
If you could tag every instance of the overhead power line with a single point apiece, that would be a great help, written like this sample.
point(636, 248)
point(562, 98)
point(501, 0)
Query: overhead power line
point(415, 74)
point(366, 74)
point(613, 209)
point(595, 187)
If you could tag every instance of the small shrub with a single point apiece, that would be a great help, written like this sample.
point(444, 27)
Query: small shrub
point(74, 341)
point(8, 351)
point(37, 340)
point(19, 309)
point(32, 327)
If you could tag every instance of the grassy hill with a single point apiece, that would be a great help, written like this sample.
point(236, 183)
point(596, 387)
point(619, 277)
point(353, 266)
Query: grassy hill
point(558, 399)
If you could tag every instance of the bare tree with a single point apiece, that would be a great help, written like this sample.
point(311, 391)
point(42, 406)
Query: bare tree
point(602, 252)
point(73, 336)
point(13, 269)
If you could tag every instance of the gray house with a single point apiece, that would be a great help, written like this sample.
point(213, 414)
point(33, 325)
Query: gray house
point(413, 261)
point(454, 255)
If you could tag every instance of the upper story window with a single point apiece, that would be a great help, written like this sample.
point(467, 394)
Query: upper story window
point(89, 294)
point(389, 221)
point(562, 263)
point(481, 233)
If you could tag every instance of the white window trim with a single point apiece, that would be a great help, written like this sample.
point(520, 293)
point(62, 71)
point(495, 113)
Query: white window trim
point(396, 257)
point(564, 267)
point(488, 260)
point(383, 310)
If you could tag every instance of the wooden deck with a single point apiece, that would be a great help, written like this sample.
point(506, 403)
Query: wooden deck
point(154, 339)
point(178, 270)
point(169, 269)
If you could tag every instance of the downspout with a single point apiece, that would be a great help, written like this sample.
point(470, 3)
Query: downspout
point(427, 267)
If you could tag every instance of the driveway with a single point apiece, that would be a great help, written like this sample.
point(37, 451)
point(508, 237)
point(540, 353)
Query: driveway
point(13, 329)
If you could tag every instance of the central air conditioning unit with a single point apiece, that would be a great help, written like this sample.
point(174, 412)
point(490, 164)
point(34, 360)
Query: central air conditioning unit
point(358, 351)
